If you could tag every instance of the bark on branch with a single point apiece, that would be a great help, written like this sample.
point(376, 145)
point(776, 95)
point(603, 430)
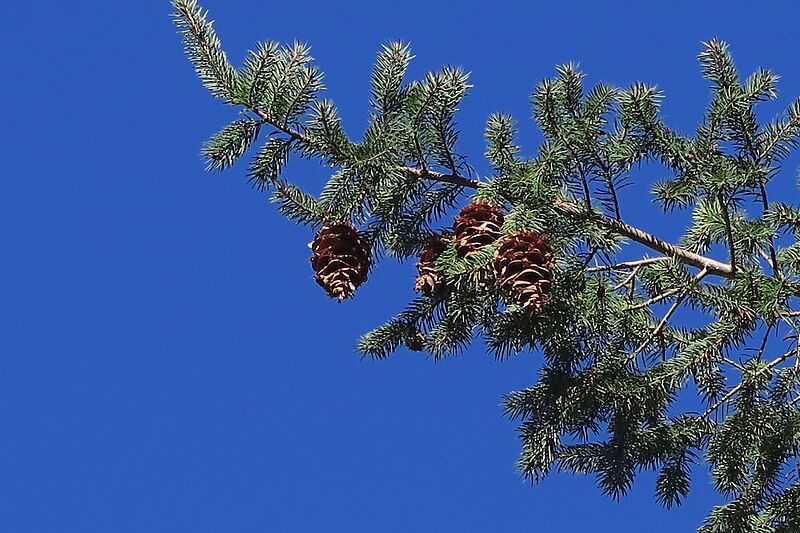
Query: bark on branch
point(711, 266)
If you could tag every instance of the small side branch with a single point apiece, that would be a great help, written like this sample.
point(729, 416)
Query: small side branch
point(629, 279)
point(655, 299)
point(455, 179)
point(728, 231)
point(773, 257)
point(642, 347)
point(731, 393)
point(627, 265)
point(587, 193)
point(671, 311)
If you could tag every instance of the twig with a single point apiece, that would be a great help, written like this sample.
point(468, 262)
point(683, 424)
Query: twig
point(728, 231)
point(757, 159)
point(663, 322)
point(764, 342)
point(772, 364)
point(627, 264)
point(734, 364)
point(660, 326)
point(455, 179)
point(768, 259)
point(655, 299)
point(590, 256)
point(587, 194)
point(628, 278)
point(772, 255)
point(656, 331)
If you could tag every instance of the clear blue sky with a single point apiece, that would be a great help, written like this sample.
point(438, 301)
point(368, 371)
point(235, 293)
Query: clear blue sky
point(167, 362)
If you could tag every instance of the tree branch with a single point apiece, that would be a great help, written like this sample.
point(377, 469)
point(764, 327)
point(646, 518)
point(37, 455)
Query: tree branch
point(772, 364)
point(685, 256)
point(625, 265)
point(629, 279)
point(772, 255)
point(671, 311)
point(712, 266)
point(655, 299)
point(455, 179)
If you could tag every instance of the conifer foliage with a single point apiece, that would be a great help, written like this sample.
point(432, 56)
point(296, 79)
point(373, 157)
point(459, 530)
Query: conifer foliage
point(542, 262)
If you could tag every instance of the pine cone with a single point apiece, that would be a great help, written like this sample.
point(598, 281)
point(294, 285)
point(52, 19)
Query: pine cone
point(416, 342)
point(340, 259)
point(477, 225)
point(524, 270)
point(430, 281)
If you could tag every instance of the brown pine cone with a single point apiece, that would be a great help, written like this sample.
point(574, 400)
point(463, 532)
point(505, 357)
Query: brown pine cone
point(340, 259)
point(477, 225)
point(524, 264)
point(416, 342)
point(430, 281)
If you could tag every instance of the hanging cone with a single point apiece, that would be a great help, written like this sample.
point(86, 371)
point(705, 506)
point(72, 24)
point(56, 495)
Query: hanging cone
point(524, 263)
point(340, 259)
point(430, 281)
point(416, 342)
point(477, 225)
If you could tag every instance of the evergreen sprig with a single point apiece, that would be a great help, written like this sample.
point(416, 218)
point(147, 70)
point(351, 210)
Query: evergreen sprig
point(204, 50)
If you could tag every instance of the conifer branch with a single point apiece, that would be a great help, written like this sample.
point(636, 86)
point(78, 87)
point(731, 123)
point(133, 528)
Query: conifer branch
point(664, 320)
point(655, 299)
point(389, 189)
point(587, 193)
point(629, 279)
point(712, 266)
point(642, 237)
point(773, 256)
point(283, 128)
point(734, 390)
point(659, 327)
point(688, 257)
point(608, 177)
point(627, 265)
point(454, 179)
point(204, 49)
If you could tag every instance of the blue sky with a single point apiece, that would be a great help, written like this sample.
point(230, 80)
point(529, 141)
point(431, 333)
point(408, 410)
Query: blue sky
point(168, 364)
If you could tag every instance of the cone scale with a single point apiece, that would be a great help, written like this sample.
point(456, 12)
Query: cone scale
point(478, 225)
